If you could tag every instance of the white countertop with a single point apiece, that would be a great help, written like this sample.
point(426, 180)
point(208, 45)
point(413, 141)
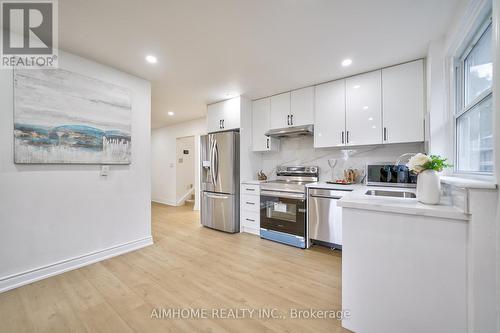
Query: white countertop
point(359, 200)
point(356, 198)
point(468, 183)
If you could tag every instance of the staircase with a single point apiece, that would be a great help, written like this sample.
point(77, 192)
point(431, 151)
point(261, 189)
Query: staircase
point(190, 200)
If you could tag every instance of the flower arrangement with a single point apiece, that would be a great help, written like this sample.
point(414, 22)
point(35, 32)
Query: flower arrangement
point(421, 162)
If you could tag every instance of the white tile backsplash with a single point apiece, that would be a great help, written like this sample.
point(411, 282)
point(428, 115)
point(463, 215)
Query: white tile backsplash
point(300, 151)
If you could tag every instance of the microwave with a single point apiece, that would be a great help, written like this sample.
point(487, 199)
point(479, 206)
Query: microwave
point(389, 174)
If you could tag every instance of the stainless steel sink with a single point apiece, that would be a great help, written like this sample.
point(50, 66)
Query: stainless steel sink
point(395, 194)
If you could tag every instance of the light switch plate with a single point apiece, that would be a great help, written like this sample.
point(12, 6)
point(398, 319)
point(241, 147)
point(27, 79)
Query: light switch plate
point(104, 170)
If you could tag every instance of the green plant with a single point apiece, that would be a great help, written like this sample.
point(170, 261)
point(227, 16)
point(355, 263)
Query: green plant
point(437, 163)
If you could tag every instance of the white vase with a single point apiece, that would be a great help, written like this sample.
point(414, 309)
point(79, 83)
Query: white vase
point(428, 187)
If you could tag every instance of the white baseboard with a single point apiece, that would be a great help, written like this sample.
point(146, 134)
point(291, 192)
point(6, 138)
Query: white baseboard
point(164, 202)
point(21, 279)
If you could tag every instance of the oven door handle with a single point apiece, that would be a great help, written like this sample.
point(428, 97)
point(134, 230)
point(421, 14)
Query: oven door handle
point(286, 195)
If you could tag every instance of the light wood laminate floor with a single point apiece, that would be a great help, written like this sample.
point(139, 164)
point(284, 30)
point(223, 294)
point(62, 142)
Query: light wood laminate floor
point(188, 266)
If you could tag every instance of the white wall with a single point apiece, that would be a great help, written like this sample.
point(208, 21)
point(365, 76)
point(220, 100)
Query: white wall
point(163, 166)
point(57, 217)
point(185, 176)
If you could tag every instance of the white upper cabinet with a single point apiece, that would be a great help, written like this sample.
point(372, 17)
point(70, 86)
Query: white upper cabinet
point(224, 115)
point(363, 109)
point(302, 107)
point(403, 102)
point(214, 117)
point(231, 114)
point(329, 114)
point(261, 122)
point(280, 110)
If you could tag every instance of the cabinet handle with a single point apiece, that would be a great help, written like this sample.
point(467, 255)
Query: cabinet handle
point(347, 135)
point(385, 133)
point(267, 143)
point(250, 189)
point(291, 119)
point(288, 120)
point(250, 220)
point(250, 203)
point(220, 124)
point(342, 137)
point(223, 120)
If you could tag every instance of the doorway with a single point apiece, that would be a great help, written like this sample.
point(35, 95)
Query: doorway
point(185, 171)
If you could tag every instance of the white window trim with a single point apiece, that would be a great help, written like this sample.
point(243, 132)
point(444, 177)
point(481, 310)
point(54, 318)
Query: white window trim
point(476, 13)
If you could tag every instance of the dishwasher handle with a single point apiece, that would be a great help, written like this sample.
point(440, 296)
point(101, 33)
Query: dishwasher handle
point(324, 196)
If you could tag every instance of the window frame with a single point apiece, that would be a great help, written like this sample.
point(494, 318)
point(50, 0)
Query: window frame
point(459, 87)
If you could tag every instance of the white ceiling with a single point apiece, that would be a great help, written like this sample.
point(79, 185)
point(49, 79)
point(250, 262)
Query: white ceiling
point(207, 48)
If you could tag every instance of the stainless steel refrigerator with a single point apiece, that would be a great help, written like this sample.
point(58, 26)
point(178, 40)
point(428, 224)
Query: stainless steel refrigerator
point(220, 181)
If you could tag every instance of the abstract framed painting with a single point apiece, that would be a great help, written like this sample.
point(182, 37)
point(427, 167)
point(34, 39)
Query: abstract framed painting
point(62, 117)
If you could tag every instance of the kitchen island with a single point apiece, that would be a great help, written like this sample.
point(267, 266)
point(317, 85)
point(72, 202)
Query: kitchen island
point(404, 265)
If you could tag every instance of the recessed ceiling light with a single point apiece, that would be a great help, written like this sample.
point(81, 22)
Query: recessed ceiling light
point(365, 107)
point(370, 119)
point(151, 59)
point(170, 113)
point(346, 62)
point(356, 86)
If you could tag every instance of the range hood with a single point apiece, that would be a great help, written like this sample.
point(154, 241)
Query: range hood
point(291, 132)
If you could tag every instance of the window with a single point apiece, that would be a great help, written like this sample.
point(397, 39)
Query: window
point(474, 112)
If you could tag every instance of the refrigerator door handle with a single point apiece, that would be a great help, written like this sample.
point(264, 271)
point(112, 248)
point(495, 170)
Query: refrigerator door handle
point(216, 162)
point(216, 196)
point(212, 160)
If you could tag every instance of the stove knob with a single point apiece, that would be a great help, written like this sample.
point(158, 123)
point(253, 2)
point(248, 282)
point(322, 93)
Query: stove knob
point(314, 170)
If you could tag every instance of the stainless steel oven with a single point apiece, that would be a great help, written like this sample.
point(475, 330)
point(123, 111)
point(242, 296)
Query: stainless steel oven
point(284, 212)
point(283, 205)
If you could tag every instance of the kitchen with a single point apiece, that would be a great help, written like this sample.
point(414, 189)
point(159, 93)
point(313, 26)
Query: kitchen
point(330, 165)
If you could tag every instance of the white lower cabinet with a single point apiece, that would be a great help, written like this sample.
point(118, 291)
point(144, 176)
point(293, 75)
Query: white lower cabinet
point(403, 272)
point(250, 208)
point(250, 222)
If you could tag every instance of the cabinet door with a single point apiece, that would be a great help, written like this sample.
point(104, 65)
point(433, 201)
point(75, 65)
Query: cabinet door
point(403, 102)
point(214, 117)
point(363, 109)
point(231, 113)
point(302, 106)
point(261, 120)
point(329, 114)
point(280, 110)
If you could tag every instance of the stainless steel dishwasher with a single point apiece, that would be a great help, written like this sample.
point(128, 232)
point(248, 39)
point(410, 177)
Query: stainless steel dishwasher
point(324, 218)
